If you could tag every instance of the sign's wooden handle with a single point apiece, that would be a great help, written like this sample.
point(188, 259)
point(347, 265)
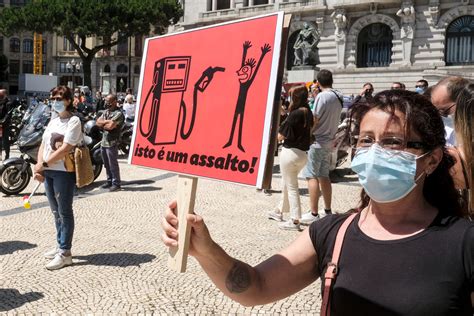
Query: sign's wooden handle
point(186, 196)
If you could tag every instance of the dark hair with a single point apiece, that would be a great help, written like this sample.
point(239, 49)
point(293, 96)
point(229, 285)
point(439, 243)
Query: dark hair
point(422, 118)
point(325, 78)
point(464, 127)
point(368, 84)
point(299, 98)
point(424, 82)
point(66, 93)
point(398, 83)
point(454, 86)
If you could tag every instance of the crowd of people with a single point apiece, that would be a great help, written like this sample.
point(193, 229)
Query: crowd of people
point(407, 247)
point(409, 242)
point(62, 135)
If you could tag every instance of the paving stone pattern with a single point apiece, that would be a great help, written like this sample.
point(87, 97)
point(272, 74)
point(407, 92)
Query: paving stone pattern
point(119, 261)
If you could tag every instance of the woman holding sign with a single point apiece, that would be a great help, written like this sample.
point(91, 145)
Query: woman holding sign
point(406, 250)
point(295, 132)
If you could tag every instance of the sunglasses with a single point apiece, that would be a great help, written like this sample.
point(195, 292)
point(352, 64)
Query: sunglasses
point(56, 99)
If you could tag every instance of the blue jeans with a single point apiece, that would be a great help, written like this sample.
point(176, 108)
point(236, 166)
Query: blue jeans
point(59, 187)
point(110, 158)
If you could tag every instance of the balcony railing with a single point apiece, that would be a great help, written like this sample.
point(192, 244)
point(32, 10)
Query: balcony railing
point(279, 6)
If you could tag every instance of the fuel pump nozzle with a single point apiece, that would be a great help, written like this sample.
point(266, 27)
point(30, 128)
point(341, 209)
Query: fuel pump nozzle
point(206, 78)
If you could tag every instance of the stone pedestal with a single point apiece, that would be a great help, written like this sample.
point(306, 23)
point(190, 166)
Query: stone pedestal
point(302, 74)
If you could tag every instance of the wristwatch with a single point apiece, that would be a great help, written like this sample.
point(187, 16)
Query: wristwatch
point(45, 164)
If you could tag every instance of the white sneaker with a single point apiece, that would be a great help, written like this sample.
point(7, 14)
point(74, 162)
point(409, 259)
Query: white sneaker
point(289, 225)
point(308, 218)
point(275, 215)
point(59, 261)
point(51, 254)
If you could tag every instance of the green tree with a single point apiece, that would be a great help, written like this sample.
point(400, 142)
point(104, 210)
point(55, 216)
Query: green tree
point(3, 67)
point(79, 19)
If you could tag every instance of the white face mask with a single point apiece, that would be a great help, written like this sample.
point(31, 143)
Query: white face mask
point(58, 106)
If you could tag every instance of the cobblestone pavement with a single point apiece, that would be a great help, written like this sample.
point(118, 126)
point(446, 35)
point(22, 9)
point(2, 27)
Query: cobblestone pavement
point(119, 261)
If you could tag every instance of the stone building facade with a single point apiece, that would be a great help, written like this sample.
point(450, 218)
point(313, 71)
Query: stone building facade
point(113, 70)
point(364, 40)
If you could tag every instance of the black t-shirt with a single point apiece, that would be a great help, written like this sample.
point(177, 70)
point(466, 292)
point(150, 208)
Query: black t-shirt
point(430, 273)
point(4, 108)
point(297, 129)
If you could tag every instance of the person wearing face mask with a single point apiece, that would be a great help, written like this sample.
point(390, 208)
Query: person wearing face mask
point(443, 96)
point(406, 249)
point(62, 134)
point(421, 86)
point(111, 122)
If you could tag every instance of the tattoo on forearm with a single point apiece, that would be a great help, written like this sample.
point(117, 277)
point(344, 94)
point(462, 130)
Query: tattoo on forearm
point(238, 279)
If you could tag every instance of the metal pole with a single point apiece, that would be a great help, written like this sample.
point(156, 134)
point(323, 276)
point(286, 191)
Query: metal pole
point(73, 71)
point(129, 62)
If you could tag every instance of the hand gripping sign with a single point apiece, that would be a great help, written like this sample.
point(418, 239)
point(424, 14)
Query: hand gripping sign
point(206, 104)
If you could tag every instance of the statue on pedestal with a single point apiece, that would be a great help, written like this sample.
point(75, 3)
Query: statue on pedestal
point(305, 45)
point(407, 16)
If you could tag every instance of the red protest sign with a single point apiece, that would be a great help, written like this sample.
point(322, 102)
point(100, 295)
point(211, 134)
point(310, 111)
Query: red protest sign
point(206, 99)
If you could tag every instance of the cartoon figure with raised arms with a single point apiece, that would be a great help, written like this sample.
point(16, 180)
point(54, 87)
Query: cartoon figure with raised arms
point(246, 75)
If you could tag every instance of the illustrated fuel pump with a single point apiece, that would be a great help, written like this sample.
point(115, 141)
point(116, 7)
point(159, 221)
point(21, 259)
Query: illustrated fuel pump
point(167, 108)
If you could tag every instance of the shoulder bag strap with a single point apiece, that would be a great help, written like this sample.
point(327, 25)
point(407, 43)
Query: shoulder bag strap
point(337, 96)
point(332, 268)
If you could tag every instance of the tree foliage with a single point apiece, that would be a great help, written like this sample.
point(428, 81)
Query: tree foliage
point(79, 19)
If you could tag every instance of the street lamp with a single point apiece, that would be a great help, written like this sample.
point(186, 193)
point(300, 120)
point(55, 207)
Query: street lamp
point(72, 66)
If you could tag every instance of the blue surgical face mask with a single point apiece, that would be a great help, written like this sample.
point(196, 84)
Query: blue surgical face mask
point(58, 106)
point(386, 175)
point(419, 90)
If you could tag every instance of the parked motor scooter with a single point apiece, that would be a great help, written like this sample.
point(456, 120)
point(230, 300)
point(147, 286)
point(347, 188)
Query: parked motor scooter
point(16, 173)
point(126, 136)
point(93, 139)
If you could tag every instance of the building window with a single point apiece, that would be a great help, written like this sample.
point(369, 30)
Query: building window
point(1, 3)
point(138, 46)
point(28, 46)
point(43, 68)
point(459, 41)
point(45, 47)
point(14, 45)
point(122, 69)
point(374, 46)
point(259, 2)
point(223, 4)
point(63, 66)
point(14, 67)
point(67, 45)
point(122, 46)
point(27, 66)
point(136, 69)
